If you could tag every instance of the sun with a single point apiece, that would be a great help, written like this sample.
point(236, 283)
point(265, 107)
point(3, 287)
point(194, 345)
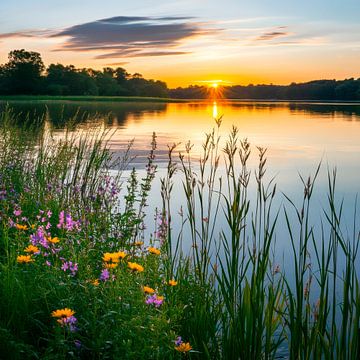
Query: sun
point(214, 85)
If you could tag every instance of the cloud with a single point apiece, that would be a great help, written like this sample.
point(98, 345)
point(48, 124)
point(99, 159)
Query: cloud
point(276, 33)
point(132, 36)
point(125, 36)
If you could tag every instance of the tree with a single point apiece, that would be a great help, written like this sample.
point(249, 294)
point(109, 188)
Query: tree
point(22, 74)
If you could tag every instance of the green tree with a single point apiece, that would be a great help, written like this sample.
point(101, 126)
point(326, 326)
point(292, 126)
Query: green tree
point(22, 74)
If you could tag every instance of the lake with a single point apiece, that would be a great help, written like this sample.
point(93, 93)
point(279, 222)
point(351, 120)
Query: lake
point(298, 136)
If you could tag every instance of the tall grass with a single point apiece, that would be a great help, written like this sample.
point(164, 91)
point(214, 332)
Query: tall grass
point(232, 297)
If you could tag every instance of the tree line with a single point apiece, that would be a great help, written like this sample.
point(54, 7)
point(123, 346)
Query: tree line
point(348, 89)
point(26, 74)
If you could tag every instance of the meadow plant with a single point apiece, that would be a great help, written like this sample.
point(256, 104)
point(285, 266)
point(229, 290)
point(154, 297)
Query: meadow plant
point(82, 277)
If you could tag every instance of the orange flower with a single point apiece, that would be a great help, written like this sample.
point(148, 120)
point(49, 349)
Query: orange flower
point(21, 227)
point(24, 259)
point(138, 243)
point(32, 249)
point(53, 240)
point(63, 313)
point(154, 251)
point(95, 282)
point(135, 267)
point(110, 265)
point(148, 290)
point(172, 282)
point(183, 347)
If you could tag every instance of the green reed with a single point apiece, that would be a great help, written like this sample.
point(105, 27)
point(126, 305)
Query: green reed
point(248, 307)
point(234, 298)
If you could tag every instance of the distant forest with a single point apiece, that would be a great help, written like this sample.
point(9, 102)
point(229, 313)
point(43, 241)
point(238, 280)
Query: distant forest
point(348, 89)
point(26, 74)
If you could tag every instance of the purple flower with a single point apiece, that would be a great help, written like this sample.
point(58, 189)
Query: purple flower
point(77, 344)
point(39, 238)
point(17, 212)
point(178, 341)
point(105, 275)
point(70, 322)
point(154, 300)
point(66, 222)
point(69, 265)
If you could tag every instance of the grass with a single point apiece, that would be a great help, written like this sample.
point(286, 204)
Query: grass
point(226, 298)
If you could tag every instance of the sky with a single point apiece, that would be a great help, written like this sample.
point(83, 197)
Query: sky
point(191, 41)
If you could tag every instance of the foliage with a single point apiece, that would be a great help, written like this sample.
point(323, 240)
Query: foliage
point(81, 278)
point(348, 89)
point(25, 73)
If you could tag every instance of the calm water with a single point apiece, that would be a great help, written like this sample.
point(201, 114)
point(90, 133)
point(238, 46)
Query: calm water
point(297, 135)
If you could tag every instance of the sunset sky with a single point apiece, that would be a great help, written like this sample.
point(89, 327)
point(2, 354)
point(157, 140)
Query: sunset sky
point(189, 41)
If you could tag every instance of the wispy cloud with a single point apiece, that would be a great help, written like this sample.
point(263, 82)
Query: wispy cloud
point(273, 34)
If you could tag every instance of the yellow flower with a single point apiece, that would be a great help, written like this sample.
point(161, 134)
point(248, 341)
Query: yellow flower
point(24, 259)
point(32, 249)
point(63, 313)
point(183, 347)
point(33, 226)
point(110, 265)
point(21, 227)
point(135, 267)
point(172, 282)
point(53, 240)
point(109, 257)
point(113, 257)
point(95, 282)
point(120, 254)
point(154, 251)
point(148, 290)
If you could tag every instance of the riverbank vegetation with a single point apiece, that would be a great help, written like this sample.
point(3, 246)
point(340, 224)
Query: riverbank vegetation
point(82, 277)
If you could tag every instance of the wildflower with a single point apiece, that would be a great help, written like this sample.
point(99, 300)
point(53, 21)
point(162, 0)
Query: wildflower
point(21, 227)
point(66, 222)
point(65, 317)
point(121, 254)
point(112, 259)
point(32, 249)
point(62, 313)
point(154, 251)
point(77, 344)
point(24, 259)
point(69, 321)
point(17, 212)
point(172, 282)
point(39, 238)
point(183, 347)
point(95, 282)
point(135, 267)
point(69, 265)
point(110, 265)
point(155, 300)
point(32, 226)
point(105, 275)
point(53, 240)
point(148, 290)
